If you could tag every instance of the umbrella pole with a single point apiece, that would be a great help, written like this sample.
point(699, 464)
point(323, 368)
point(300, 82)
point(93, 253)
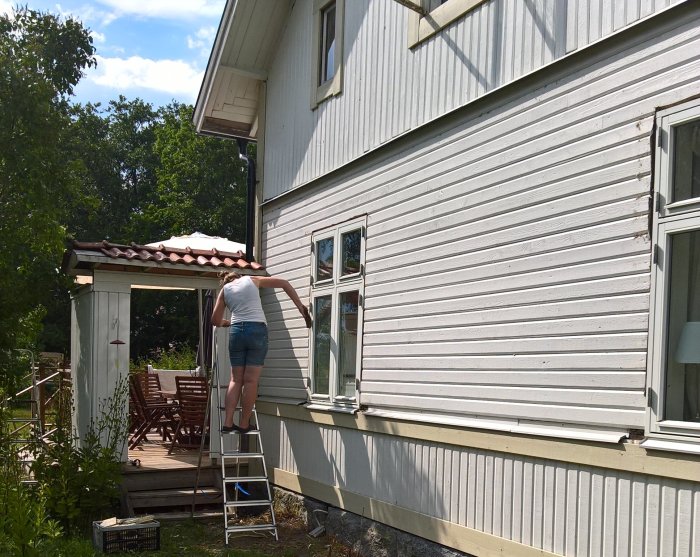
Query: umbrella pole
point(200, 350)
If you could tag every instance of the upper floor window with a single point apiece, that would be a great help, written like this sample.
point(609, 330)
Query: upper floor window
point(327, 40)
point(675, 385)
point(437, 14)
point(336, 299)
point(327, 49)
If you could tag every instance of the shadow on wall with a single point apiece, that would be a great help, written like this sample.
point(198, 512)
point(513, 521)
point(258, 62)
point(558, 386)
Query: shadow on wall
point(286, 365)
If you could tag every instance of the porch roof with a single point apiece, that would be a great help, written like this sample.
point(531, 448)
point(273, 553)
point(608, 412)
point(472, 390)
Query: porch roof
point(83, 257)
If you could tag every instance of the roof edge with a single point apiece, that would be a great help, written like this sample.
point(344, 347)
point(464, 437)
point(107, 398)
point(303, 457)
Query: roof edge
point(213, 64)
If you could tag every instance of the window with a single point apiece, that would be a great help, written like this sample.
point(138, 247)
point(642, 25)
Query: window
point(438, 15)
point(336, 299)
point(675, 352)
point(327, 50)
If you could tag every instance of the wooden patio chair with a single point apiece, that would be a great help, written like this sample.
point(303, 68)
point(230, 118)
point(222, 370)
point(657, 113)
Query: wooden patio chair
point(150, 383)
point(192, 396)
point(151, 414)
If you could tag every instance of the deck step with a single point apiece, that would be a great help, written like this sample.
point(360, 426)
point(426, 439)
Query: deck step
point(186, 515)
point(137, 479)
point(174, 497)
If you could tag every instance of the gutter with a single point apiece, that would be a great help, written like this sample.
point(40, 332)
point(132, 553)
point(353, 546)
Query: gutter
point(250, 198)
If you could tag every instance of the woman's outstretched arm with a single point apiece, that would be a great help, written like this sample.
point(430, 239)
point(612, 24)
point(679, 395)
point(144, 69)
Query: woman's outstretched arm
point(275, 282)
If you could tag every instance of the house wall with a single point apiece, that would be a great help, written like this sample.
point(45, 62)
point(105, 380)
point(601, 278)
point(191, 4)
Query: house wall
point(508, 255)
point(507, 278)
point(390, 89)
point(489, 501)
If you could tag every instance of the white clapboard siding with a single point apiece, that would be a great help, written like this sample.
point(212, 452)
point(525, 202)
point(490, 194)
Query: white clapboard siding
point(389, 89)
point(101, 365)
point(510, 241)
point(566, 509)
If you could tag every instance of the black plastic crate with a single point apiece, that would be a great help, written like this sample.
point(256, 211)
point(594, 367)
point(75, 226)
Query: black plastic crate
point(126, 537)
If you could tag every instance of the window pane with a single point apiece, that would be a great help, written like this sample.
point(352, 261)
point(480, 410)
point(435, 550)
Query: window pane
point(682, 396)
point(324, 259)
point(322, 343)
point(686, 161)
point(347, 343)
point(327, 68)
point(351, 242)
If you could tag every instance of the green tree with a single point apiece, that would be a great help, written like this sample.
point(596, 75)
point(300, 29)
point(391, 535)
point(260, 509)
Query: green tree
point(42, 58)
point(118, 171)
point(201, 180)
point(145, 176)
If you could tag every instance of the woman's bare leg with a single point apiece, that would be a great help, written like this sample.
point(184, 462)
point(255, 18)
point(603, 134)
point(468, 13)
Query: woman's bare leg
point(233, 393)
point(250, 393)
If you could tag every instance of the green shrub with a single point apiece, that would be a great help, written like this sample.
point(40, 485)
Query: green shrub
point(80, 479)
point(25, 529)
point(176, 357)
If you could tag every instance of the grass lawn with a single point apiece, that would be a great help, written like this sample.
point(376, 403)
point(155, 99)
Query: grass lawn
point(205, 538)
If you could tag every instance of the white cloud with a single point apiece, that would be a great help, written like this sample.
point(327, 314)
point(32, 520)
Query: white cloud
point(98, 37)
point(167, 9)
point(202, 40)
point(88, 14)
point(175, 77)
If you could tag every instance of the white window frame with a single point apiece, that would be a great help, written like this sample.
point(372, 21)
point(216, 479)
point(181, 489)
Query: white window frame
point(668, 219)
point(334, 86)
point(422, 27)
point(335, 287)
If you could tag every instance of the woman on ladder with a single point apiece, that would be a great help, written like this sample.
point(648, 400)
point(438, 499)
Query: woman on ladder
point(247, 345)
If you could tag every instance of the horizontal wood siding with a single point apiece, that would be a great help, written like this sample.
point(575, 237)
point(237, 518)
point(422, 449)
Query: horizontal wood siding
point(508, 256)
point(561, 508)
point(389, 89)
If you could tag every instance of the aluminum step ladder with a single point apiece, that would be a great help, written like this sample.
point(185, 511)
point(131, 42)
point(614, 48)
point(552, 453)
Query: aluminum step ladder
point(239, 491)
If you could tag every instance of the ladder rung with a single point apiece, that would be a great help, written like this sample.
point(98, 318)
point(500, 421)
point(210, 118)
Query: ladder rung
point(242, 455)
point(234, 432)
point(241, 479)
point(28, 420)
point(251, 527)
point(249, 503)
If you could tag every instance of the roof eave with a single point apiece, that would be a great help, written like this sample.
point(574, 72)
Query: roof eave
point(212, 64)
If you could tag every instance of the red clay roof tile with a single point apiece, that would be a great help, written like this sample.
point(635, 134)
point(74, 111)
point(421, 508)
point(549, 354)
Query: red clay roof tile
point(164, 255)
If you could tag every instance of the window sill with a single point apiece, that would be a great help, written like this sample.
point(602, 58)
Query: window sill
point(523, 427)
point(655, 444)
point(331, 408)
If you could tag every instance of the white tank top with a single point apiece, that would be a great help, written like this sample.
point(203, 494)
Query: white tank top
point(243, 299)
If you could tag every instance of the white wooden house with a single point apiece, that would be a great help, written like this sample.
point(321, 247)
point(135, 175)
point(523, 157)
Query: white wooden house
point(493, 207)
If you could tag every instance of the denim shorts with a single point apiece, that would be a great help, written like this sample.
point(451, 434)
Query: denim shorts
point(247, 343)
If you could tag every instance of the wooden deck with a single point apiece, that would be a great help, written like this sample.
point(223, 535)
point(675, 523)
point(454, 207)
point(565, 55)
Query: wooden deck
point(154, 456)
point(163, 483)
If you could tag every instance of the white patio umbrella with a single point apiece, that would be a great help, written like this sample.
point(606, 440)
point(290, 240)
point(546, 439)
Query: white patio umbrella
point(197, 240)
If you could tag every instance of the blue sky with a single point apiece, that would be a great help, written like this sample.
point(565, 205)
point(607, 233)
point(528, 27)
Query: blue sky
point(156, 50)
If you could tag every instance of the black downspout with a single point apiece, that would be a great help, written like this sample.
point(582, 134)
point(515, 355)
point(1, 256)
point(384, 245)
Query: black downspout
point(250, 198)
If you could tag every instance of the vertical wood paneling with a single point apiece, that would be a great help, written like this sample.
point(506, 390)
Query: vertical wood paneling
point(390, 89)
point(557, 507)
